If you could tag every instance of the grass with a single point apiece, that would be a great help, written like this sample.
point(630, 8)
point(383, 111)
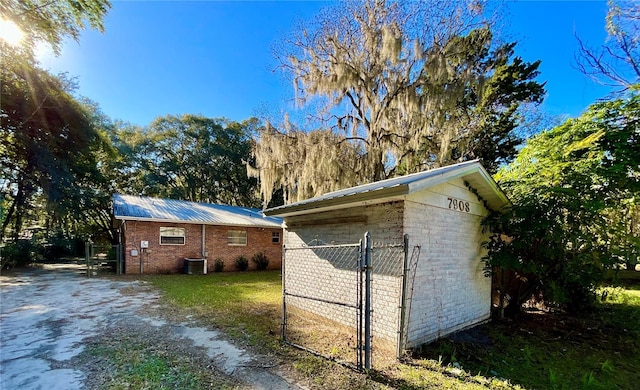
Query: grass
point(539, 351)
point(544, 351)
point(138, 364)
point(245, 305)
point(140, 370)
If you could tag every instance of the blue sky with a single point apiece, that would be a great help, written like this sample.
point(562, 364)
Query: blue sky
point(214, 58)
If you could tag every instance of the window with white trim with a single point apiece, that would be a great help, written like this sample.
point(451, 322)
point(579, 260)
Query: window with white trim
point(275, 237)
point(237, 237)
point(172, 236)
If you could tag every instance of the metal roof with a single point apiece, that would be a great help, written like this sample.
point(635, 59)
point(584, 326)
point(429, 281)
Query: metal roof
point(141, 208)
point(470, 171)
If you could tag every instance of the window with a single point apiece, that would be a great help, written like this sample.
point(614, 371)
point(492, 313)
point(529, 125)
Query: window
point(237, 237)
point(171, 236)
point(275, 237)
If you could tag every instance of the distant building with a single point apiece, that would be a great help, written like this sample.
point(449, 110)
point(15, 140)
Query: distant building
point(159, 234)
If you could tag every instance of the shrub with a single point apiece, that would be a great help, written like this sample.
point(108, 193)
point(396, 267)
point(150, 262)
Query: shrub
point(218, 265)
point(261, 261)
point(78, 247)
point(574, 203)
point(241, 263)
point(18, 253)
point(57, 247)
point(55, 252)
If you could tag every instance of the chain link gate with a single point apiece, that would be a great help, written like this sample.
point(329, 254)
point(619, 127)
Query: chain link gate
point(97, 255)
point(335, 301)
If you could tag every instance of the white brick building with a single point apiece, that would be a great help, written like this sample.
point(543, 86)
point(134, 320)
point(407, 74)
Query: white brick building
point(441, 211)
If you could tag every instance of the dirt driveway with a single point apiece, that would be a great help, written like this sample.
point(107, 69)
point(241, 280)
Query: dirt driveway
point(49, 315)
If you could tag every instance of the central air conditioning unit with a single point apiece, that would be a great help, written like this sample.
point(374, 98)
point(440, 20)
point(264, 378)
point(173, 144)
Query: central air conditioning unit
point(195, 266)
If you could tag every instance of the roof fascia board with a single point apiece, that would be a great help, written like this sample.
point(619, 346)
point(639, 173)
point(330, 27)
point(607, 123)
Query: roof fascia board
point(386, 194)
point(420, 185)
point(494, 186)
point(475, 169)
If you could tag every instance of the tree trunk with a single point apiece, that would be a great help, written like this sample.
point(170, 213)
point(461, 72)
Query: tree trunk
point(7, 219)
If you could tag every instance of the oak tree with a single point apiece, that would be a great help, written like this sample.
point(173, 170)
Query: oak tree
point(410, 85)
point(194, 158)
point(46, 135)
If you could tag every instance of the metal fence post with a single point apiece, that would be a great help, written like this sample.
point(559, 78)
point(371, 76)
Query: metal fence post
point(359, 312)
point(121, 261)
point(367, 301)
point(284, 294)
point(403, 298)
point(86, 256)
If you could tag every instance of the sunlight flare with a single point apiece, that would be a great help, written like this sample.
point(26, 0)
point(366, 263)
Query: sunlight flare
point(10, 32)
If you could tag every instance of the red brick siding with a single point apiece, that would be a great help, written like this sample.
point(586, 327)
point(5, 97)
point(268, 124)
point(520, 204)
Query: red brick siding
point(170, 258)
point(258, 240)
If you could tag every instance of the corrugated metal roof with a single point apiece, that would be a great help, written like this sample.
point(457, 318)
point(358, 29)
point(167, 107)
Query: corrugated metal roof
point(141, 208)
point(470, 171)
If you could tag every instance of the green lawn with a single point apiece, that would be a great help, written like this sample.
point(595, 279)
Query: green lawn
point(539, 351)
point(246, 305)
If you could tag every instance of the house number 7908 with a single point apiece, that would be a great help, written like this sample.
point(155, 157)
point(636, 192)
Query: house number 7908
point(458, 204)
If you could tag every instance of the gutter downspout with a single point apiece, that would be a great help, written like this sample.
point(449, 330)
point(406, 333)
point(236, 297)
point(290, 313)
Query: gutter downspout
point(123, 248)
point(204, 249)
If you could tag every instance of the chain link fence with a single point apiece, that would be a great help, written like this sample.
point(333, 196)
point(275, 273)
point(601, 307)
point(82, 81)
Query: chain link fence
point(344, 302)
point(322, 305)
point(387, 270)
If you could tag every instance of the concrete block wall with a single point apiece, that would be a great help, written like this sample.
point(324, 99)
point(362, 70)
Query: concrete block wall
point(385, 303)
point(330, 275)
point(450, 290)
point(314, 274)
point(170, 258)
point(347, 226)
point(318, 278)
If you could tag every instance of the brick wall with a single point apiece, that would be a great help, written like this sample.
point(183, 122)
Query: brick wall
point(258, 240)
point(450, 291)
point(170, 258)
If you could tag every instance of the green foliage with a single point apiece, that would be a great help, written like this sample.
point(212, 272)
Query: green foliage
point(52, 21)
point(190, 157)
point(559, 351)
point(46, 138)
point(261, 261)
point(50, 142)
point(245, 305)
point(218, 265)
point(140, 364)
point(19, 253)
point(241, 263)
point(568, 187)
point(553, 379)
point(57, 247)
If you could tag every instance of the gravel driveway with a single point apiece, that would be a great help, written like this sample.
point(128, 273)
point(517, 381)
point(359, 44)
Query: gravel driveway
point(49, 315)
